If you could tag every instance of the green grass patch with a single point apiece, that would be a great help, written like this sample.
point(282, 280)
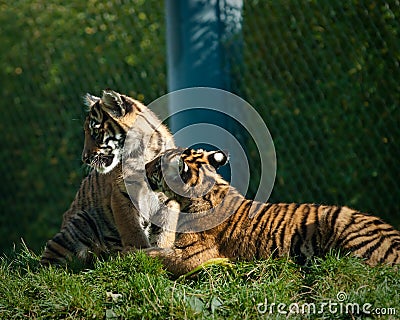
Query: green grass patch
point(137, 287)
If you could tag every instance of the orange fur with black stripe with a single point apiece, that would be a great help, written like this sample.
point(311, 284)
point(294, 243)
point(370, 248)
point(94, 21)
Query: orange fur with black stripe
point(251, 230)
point(103, 218)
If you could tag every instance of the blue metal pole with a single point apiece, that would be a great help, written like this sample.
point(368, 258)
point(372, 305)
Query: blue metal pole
point(203, 47)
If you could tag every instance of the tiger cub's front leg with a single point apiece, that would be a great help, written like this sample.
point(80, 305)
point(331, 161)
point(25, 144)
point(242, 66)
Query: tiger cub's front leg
point(164, 223)
point(180, 261)
point(128, 222)
point(191, 250)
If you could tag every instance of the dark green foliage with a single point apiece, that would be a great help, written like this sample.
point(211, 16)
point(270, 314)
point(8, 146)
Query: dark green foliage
point(51, 55)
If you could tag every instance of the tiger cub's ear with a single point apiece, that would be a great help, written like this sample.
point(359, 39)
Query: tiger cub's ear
point(90, 100)
point(114, 103)
point(218, 158)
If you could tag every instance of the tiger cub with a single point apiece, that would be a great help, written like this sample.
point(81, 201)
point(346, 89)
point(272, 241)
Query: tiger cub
point(103, 218)
point(249, 229)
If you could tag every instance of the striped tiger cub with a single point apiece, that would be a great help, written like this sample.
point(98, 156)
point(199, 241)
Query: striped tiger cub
point(103, 218)
point(249, 229)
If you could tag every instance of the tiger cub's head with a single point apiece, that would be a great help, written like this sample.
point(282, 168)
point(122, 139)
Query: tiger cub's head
point(186, 173)
point(106, 126)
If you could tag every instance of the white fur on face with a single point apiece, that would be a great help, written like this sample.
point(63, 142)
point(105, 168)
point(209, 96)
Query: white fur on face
point(114, 163)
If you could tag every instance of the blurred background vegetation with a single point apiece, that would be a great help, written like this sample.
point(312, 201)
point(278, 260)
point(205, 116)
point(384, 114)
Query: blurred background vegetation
point(325, 77)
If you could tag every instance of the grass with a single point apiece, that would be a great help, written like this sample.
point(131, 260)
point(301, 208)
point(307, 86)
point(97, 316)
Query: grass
point(137, 287)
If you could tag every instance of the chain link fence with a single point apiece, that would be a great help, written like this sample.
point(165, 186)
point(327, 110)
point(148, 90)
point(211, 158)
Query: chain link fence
point(323, 75)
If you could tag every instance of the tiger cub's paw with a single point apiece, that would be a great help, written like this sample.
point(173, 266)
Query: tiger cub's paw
point(212, 262)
